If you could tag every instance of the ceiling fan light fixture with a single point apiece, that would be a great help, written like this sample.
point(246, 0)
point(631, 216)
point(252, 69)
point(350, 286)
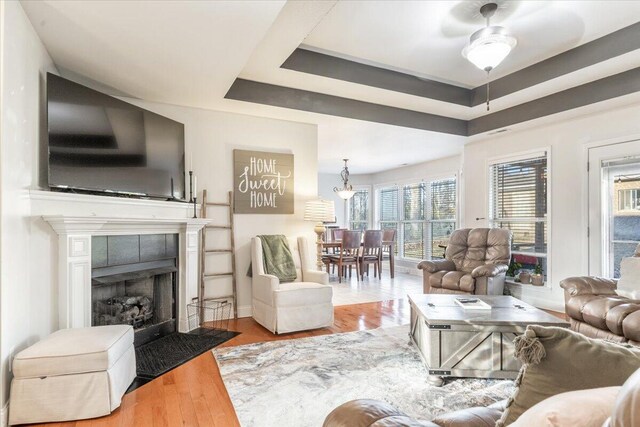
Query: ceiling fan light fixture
point(488, 47)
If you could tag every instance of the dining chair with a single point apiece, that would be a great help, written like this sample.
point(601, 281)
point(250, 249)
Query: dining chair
point(371, 252)
point(336, 233)
point(388, 248)
point(348, 254)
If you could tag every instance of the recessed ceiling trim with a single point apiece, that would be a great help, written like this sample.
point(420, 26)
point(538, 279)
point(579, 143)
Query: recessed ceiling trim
point(280, 96)
point(609, 46)
point(589, 93)
point(310, 62)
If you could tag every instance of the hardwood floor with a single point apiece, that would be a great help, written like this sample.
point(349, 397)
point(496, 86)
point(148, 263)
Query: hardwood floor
point(194, 395)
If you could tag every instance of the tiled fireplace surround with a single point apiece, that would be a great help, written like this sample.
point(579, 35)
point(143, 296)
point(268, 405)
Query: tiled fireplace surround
point(76, 218)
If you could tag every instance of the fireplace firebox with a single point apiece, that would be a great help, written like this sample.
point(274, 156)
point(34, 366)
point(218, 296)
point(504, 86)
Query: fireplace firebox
point(134, 282)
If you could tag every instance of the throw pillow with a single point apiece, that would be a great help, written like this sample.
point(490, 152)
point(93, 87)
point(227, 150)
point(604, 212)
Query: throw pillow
point(629, 283)
point(556, 360)
point(596, 404)
point(627, 408)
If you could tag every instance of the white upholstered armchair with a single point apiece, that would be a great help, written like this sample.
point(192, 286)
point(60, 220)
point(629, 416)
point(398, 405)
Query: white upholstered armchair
point(295, 306)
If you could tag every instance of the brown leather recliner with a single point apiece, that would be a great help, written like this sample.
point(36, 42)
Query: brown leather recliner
point(597, 311)
point(476, 262)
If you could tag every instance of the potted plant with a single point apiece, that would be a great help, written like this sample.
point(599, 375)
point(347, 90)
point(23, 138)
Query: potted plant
point(514, 266)
point(525, 276)
point(537, 279)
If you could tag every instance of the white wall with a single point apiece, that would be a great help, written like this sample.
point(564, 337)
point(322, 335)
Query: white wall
point(211, 137)
point(28, 260)
point(568, 219)
point(26, 308)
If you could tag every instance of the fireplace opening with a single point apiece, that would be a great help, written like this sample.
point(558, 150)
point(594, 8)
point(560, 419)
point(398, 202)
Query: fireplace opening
point(134, 282)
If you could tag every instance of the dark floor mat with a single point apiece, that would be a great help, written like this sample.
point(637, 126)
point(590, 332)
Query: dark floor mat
point(164, 354)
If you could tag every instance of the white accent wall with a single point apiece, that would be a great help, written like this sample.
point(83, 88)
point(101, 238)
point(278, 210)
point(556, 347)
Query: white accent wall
point(28, 260)
point(567, 143)
point(26, 308)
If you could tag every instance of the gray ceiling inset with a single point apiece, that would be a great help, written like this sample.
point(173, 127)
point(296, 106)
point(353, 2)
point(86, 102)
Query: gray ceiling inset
point(280, 96)
point(610, 46)
point(599, 90)
point(310, 62)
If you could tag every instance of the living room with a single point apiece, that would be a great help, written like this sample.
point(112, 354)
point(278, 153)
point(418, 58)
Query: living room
point(539, 157)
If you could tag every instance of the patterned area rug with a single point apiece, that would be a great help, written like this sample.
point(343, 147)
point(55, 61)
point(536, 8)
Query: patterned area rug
point(298, 382)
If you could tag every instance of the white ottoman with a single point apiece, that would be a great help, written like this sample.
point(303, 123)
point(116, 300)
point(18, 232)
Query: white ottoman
point(72, 374)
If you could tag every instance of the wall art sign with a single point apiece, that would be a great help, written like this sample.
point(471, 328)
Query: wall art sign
point(263, 182)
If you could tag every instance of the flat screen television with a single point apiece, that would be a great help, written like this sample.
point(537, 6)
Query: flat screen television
point(100, 144)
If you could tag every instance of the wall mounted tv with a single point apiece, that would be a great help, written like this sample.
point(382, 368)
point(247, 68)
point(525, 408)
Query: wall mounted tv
point(100, 144)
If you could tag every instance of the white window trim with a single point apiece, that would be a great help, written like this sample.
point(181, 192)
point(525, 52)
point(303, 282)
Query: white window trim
point(400, 184)
point(519, 156)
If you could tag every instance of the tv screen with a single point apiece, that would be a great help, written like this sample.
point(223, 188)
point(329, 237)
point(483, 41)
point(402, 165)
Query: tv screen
point(98, 143)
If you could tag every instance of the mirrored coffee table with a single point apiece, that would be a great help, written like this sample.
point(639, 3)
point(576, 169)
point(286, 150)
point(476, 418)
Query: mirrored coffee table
point(458, 342)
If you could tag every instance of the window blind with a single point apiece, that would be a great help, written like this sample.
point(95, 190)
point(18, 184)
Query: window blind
point(519, 189)
point(389, 204)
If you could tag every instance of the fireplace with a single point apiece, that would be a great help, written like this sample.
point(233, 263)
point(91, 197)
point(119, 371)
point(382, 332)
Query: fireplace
point(134, 282)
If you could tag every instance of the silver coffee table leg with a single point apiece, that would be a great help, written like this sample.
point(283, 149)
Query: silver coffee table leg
point(435, 380)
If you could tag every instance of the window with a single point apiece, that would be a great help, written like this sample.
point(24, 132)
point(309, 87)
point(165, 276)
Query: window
point(628, 199)
point(423, 215)
point(442, 215)
point(518, 200)
point(359, 210)
point(388, 211)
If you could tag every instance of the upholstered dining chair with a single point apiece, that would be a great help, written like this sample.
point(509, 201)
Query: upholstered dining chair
point(349, 253)
point(476, 262)
point(371, 252)
point(388, 248)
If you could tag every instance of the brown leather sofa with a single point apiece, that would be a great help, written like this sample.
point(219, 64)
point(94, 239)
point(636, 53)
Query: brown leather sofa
point(374, 413)
point(595, 310)
point(476, 262)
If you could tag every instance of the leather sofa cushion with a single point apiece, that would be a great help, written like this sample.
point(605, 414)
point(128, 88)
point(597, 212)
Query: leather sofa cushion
point(74, 351)
point(370, 413)
point(452, 280)
point(471, 417)
point(631, 326)
point(470, 248)
point(595, 311)
point(617, 314)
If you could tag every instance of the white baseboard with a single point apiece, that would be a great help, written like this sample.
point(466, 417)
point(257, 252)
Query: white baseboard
point(244, 311)
point(4, 415)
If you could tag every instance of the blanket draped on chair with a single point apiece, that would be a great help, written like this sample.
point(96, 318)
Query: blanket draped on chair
point(277, 257)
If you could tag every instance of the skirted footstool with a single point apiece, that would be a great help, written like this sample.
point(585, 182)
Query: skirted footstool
point(72, 374)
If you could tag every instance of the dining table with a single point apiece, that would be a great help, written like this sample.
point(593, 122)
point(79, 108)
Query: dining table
point(337, 244)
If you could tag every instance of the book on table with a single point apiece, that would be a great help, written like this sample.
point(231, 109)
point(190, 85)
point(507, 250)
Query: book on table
point(472, 303)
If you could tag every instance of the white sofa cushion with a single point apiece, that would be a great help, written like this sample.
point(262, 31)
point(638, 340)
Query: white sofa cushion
point(302, 293)
point(629, 283)
point(73, 351)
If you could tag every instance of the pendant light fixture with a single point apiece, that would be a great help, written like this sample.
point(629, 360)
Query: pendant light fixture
point(346, 192)
point(489, 46)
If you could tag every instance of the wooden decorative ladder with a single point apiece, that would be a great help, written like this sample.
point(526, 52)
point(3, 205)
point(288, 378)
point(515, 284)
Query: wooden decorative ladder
point(205, 276)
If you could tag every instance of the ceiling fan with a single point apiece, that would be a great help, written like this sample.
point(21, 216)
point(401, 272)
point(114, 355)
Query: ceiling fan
point(489, 46)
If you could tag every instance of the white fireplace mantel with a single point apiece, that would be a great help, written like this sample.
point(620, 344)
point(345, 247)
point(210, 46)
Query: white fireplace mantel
point(74, 259)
